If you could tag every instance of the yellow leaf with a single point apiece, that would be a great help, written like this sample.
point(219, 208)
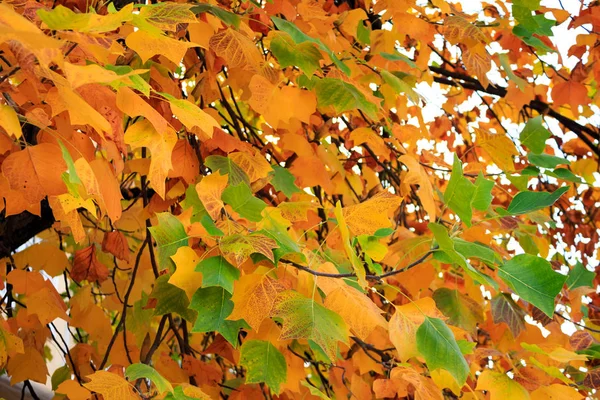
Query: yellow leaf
point(372, 139)
point(79, 75)
point(555, 392)
point(418, 175)
point(424, 388)
point(253, 298)
point(29, 365)
point(134, 106)
point(10, 121)
point(143, 134)
point(73, 390)
point(346, 301)
point(191, 116)
point(237, 248)
point(499, 148)
point(369, 216)
point(185, 277)
point(210, 190)
point(167, 16)
point(501, 386)
point(238, 50)
point(255, 166)
point(43, 256)
point(111, 386)
point(47, 305)
point(404, 324)
point(478, 62)
point(359, 268)
point(458, 29)
point(10, 345)
point(147, 45)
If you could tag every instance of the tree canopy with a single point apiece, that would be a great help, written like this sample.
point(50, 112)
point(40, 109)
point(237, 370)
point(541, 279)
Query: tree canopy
point(300, 199)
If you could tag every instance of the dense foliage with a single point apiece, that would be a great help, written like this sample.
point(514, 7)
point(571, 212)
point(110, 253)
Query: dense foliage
point(300, 199)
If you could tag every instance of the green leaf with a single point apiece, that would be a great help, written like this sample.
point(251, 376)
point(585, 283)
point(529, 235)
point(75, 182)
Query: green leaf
point(461, 310)
point(505, 63)
point(460, 193)
point(401, 83)
point(227, 166)
point(363, 34)
point(73, 177)
point(398, 57)
point(170, 299)
point(216, 271)
point(535, 24)
point(284, 181)
point(527, 201)
point(436, 343)
point(240, 198)
point(342, 96)
point(303, 318)
point(137, 371)
point(526, 36)
point(534, 135)
point(546, 160)
point(214, 305)
point(289, 54)
point(170, 235)
point(263, 363)
point(210, 225)
point(533, 279)
point(300, 37)
point(447, 246)
point(580, 276)
point(224, 15)
point(482, 199)
point(564, 174)
point(504, 309)
point(62, 18)
point(60, 375)
point(476, 250)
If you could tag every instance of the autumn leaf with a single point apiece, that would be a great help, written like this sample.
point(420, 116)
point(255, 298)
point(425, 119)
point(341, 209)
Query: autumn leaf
point(87, 267)
point(116, 244)
point(237, 248)
point(210, 190)
point(367, 217)
point(110, 386)
point(500, 386)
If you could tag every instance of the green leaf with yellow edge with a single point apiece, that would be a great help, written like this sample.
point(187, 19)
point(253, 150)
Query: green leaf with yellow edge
point(263, 363)
point(436, 343)
point(213, 305)
point(228, 17)
point(167, 15)
point(62, 18)
point(227, 167)
point(533, 279)
point(342, 96)
point(303, 318)
point(170, 299)
point(169, 235)
point(237, 248)
point(136, 371)
point(305, 55)
point(461, 310)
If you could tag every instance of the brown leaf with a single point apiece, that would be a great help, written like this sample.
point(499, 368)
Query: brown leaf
point(115, 243)
point(86, 266)
point(581, 340)
point(592, 379)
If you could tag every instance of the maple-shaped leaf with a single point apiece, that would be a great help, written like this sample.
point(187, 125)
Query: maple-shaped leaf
point(504, 309)
point(570, 92)
point(303, 318)
point(501, 386)
point(240, 198)
point(255, 166)
point(170, 235)
point(404, 324)
point(115, 243)
point(87, 267)
point(369, 216)
point(237, 248)
point(63, 18)
point(216, 271)
point(254, 296)
point(305, 55)
point(214, 305)
point(264, 363)
point(110, 386)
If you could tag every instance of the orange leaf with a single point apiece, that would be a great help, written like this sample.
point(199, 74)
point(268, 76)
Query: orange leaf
point(110, 386)
point(86, 266)
point(572, 93)
point(253, 298)
point(115, 243)
point(29, 365)
point(36, 171)
point(418, 175)
point(73, 390)
point(369, 216)
point(210, 190)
